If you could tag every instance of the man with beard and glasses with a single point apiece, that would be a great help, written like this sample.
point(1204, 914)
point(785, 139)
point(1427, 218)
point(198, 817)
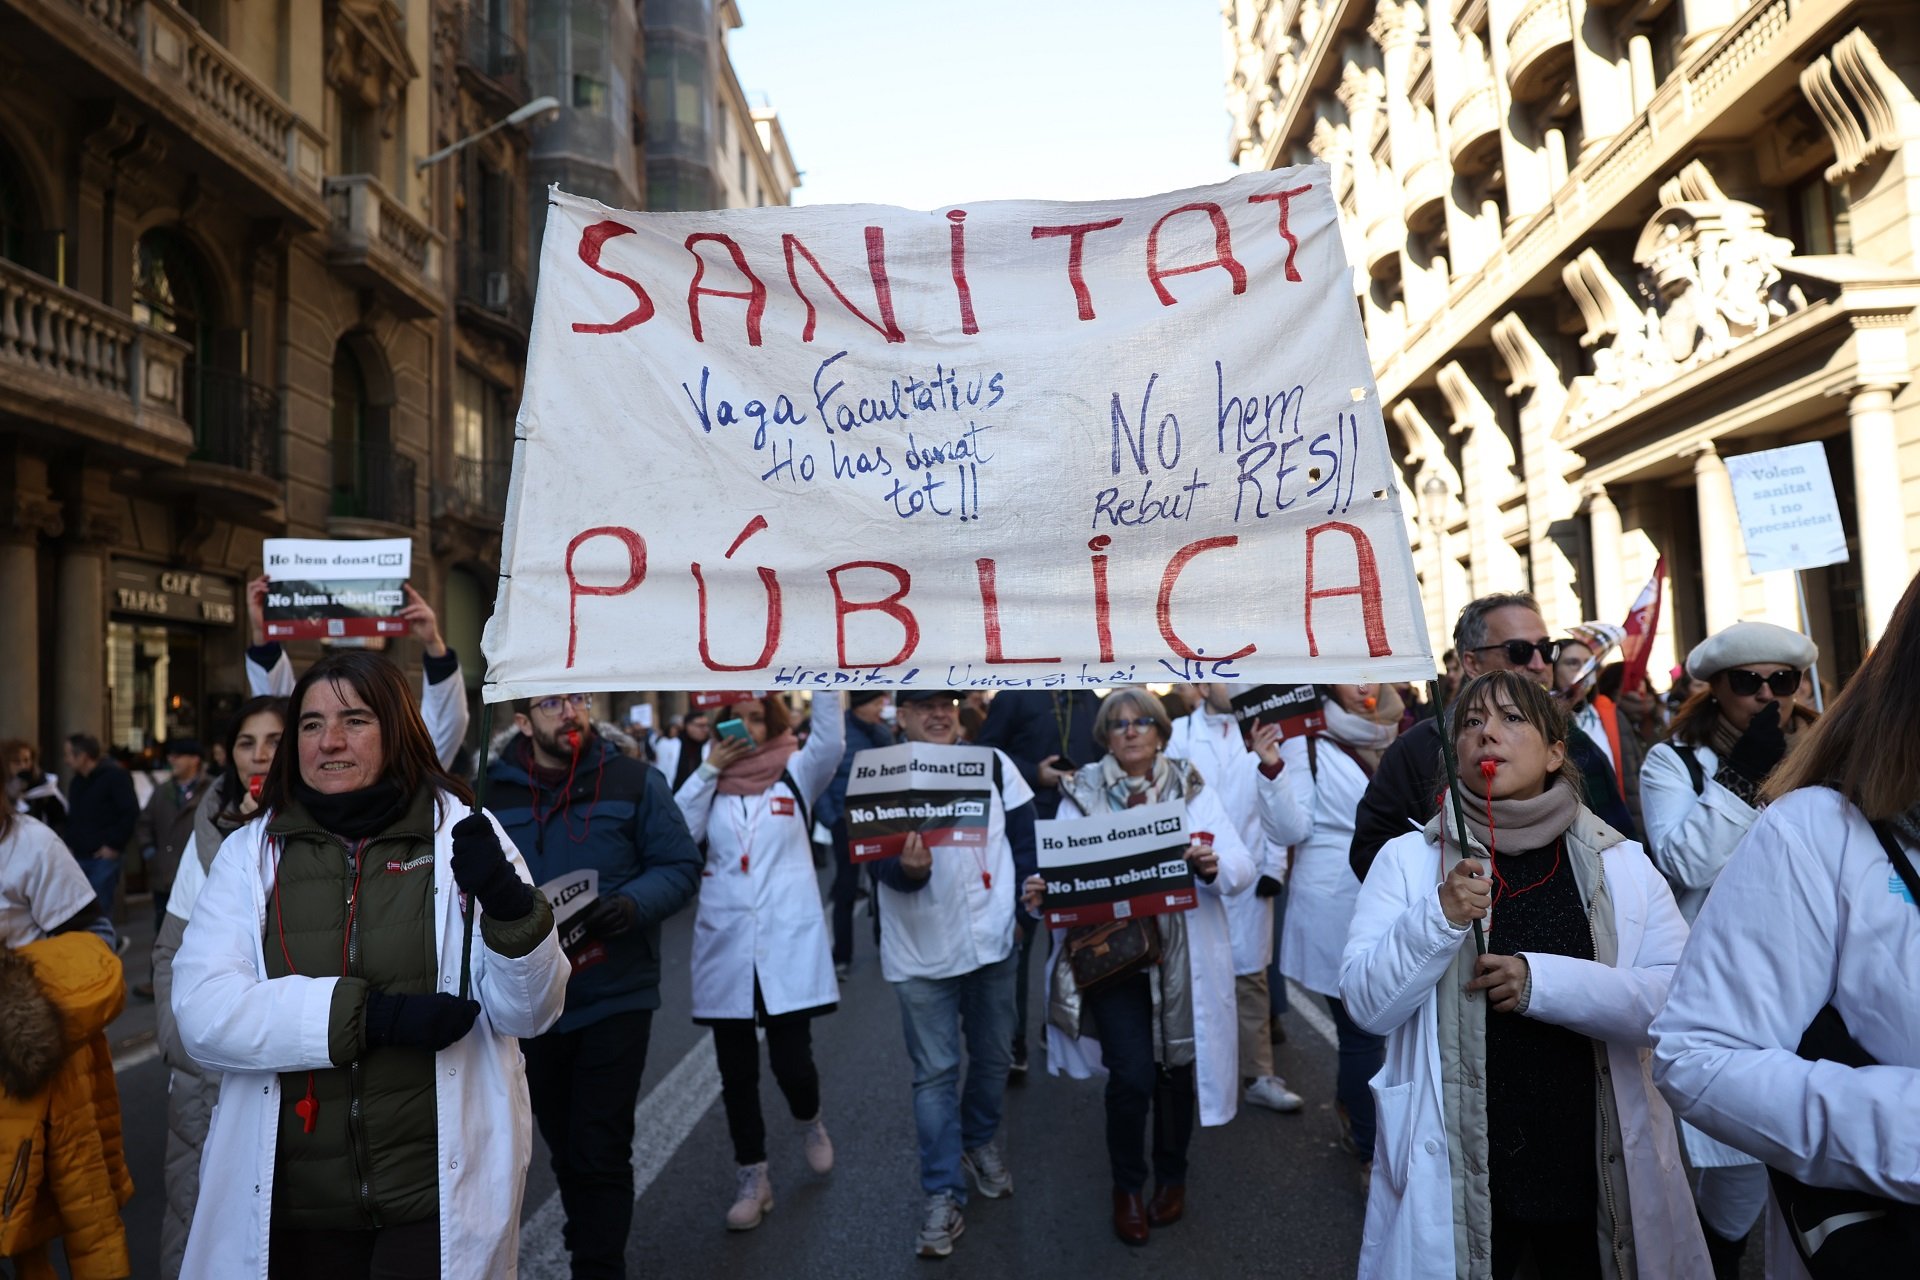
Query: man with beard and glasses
point(571, 801)
point(1500, 632)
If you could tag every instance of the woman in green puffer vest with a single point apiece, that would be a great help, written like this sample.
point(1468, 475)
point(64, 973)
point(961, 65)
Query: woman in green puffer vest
point(373, 1113)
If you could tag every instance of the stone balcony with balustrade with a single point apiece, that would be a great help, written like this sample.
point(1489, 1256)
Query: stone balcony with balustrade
point(1474, 128)
point(73, 362)
point(379, 245)
point(1539, 48)
point(161, 59)
point(1425, 191)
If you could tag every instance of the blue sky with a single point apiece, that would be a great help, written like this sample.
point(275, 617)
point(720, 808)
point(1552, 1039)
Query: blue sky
point(922, 103)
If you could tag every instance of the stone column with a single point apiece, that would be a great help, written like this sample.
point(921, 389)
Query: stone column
point(1605, 543)
point(1601, 76)
point(80, 619)
point(19, 640)
point(1881, 519)
point(1640, 70)
point(1722, 561)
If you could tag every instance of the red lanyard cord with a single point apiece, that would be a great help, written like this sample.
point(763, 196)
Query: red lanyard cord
point(308, 1108)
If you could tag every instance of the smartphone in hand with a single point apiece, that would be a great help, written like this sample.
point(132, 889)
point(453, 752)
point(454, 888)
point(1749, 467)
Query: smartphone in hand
point(736, 729)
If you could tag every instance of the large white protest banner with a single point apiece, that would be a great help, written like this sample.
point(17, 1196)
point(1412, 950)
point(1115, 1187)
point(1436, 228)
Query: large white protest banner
point(1012, 444)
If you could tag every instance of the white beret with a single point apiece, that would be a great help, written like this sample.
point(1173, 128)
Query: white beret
point(1745, 643)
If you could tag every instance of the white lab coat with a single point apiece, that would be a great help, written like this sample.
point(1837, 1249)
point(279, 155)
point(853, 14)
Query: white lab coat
point(1399, 951)
point(1216, 1025)
point(1807, 912)
point(759, 912)
point(1322, 889)
point(443, 706)
point(1214, 745)
point(961, 919)
point(234, 1019)
point(1691, 837)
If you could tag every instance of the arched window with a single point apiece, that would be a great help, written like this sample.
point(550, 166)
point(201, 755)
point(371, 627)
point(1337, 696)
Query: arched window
point(349, 432)
point(170, 294)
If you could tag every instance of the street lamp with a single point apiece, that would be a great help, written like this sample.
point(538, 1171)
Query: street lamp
point(545, 108)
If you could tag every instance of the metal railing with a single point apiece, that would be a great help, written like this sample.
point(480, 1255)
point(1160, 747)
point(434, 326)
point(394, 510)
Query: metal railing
point(381, 486)
point(237, 424)
point(479, 487)
point(490, 282)
point(495, 54)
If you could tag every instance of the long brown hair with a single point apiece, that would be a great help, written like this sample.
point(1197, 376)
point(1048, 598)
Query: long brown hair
point(410, 758)
point(1865, 746)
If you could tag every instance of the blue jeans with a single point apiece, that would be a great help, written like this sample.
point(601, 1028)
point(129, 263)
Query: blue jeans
point(1276, 981)
point(1362, 1054)
point(104, 875)
point(952, 1118)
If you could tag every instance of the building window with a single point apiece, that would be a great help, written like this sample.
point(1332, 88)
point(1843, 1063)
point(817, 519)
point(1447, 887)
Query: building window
point(349, 431)
point(170, 295)
point(482, 442)
point(1819, 220)
point(359, 136)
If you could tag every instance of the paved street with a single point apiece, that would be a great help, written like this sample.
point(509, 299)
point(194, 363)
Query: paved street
point(1269, 1195)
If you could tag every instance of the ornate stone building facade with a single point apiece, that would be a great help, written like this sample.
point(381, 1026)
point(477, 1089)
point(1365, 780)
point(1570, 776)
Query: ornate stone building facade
point(1601, 246)
point(232, 306)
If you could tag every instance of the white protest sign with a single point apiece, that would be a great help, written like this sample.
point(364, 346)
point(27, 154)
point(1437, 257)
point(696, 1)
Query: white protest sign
point(1112, 865)
point(943, 792)
point(1005, 444)
point(1788, 514)
point(570, 895)
point(333, 588)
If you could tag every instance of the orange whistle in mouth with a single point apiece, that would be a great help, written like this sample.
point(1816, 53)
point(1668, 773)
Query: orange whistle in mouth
point(1371, 702)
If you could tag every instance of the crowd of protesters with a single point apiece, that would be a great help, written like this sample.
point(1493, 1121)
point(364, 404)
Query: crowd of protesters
point(1617, 981)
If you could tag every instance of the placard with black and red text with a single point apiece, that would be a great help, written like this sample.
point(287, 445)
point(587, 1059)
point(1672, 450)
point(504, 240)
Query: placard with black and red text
point(944, 793)
point(1112, 865)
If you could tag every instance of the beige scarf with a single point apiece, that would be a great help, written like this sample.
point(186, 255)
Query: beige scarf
point(1520, 825)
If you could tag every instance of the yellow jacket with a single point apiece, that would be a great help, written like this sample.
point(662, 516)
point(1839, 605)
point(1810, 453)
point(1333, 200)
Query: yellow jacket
point(60, 1149)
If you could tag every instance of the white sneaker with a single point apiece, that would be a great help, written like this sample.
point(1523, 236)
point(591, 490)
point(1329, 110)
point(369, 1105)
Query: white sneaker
point(1272, 1092)
point(942, 1227)
point(752, 1198)
point(989, 1171)
point(818, 1146)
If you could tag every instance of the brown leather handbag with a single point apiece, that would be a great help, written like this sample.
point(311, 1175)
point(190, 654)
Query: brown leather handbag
point(1100, 953)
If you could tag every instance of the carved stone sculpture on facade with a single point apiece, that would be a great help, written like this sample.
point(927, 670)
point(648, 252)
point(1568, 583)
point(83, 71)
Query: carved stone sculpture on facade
point(1711, 278)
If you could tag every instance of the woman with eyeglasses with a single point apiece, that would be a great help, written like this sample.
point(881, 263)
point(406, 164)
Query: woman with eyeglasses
point(1167, 1034)
point(760, 951)
point(1700, 792)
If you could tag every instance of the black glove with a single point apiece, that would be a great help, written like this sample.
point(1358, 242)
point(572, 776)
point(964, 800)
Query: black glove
point(481, 870)
point(1760, 747)
point(417, 1022)
point(612, 915)
point(1266, 887)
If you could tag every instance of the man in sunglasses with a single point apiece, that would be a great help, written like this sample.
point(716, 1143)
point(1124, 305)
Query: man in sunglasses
point(571, 801)
point(1500, 632)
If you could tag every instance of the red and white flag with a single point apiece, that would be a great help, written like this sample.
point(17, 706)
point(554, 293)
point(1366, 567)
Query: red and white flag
point(1642, 621)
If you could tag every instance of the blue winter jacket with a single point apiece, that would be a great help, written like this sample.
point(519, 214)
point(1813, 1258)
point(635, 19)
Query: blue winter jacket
point(619, 818)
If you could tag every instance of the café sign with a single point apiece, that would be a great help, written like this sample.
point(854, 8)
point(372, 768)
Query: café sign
point(177, 595)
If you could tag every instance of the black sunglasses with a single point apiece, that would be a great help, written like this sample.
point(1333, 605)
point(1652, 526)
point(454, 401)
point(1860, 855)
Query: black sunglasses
point(1520, 652)
point(1745, 684)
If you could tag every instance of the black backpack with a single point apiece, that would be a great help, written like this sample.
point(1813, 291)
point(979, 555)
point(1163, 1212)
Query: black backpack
point(1849, 1235)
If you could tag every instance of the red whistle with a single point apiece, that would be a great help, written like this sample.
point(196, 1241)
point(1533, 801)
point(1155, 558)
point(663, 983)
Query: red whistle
point(986, 879)
point(573, 741)
point(255, 783)
point(743, 862)
point(307, 1109)
point(1488, 768)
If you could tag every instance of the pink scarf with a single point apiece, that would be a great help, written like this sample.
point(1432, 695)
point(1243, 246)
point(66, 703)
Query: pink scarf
point(757, 771)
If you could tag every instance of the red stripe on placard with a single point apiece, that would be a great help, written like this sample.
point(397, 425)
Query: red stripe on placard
point(334, 628)
point(889, 846)
point(1166, 902)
